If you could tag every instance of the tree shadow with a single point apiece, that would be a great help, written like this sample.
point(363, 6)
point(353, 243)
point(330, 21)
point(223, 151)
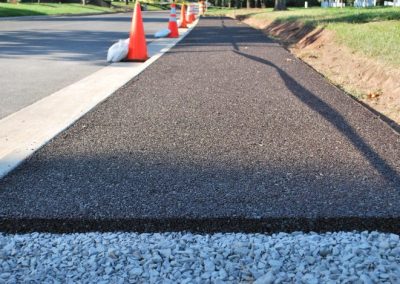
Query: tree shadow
point(333, 117)
point(147, 192)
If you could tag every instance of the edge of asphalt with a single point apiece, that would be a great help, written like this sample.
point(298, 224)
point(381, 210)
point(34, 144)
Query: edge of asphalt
point(27, 130)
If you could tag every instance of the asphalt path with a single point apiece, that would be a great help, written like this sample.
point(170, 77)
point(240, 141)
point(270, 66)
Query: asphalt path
point(226, 132)
point(41, 55)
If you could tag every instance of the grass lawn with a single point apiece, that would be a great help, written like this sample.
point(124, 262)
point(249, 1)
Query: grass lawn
point(11, 10)
point(373, 31)
point(31, 9)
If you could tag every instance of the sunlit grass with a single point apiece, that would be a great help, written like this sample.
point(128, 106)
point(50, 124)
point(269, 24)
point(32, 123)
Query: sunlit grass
point(9, 10)
point(380, 40)
point(374, 32)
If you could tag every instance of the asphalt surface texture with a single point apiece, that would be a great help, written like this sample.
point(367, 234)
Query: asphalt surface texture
point(41, 55)
point(226, 132)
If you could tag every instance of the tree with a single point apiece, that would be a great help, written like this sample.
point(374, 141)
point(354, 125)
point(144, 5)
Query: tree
point(280, 5)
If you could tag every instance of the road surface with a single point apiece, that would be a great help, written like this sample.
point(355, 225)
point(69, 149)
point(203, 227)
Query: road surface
point(41, 55)
point(236, 134)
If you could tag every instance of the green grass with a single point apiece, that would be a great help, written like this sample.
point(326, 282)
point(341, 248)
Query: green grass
point(31, 9)
point(380, 40)
point(12, 10)
point(374, 32)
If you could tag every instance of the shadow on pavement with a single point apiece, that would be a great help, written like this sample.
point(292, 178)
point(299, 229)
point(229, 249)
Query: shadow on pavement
point(153, 192)
point(334, 117)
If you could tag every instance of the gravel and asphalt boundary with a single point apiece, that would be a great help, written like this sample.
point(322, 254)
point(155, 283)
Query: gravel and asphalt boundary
point(226, 132)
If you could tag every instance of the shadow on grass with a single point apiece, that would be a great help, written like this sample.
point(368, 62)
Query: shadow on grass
point(49, 9)
point(15, 12)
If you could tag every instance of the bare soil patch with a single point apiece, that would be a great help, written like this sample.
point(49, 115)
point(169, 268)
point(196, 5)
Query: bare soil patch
point(370, 81)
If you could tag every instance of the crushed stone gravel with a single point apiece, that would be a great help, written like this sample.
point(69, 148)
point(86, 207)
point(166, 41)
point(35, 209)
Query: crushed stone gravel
point(340, 257)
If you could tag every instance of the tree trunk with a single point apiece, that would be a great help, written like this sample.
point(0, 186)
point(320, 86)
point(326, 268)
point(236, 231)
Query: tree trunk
point(280, 5)
point(263, 4)
point(248, 6)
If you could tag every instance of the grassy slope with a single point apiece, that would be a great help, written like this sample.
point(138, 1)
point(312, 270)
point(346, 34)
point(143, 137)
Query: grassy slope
point(10, 10)
point(374, 32)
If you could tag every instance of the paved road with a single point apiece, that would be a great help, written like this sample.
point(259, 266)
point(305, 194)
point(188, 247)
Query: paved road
point(235, 134)
point(41, 55)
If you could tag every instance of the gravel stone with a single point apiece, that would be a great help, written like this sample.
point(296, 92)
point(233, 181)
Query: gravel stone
point(266, 279)
point(193, 258)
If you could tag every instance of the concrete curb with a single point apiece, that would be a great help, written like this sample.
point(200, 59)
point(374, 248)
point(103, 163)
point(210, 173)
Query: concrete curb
point(25, 131)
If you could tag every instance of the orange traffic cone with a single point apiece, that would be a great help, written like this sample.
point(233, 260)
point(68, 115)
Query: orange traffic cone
point(183, 17)
point(172, 25)
point(137, 40)
point(188, 13)
point(192, 16)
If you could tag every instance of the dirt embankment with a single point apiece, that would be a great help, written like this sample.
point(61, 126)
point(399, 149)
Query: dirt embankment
point(372, 82)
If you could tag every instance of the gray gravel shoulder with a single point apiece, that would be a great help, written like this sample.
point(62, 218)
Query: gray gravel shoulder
point(342, 257)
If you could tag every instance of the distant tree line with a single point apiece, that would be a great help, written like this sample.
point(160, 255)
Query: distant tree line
point(261, 3)
point(272, 3)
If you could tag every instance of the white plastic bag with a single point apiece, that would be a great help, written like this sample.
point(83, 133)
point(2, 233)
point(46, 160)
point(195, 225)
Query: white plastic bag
point(118, 51)
point(162, 33)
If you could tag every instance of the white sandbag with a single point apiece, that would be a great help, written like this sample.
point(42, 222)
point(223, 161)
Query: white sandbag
point(162, 33)
point(118, 51)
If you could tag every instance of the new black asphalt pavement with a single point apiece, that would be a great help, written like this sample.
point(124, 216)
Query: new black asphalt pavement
point(226, 132)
